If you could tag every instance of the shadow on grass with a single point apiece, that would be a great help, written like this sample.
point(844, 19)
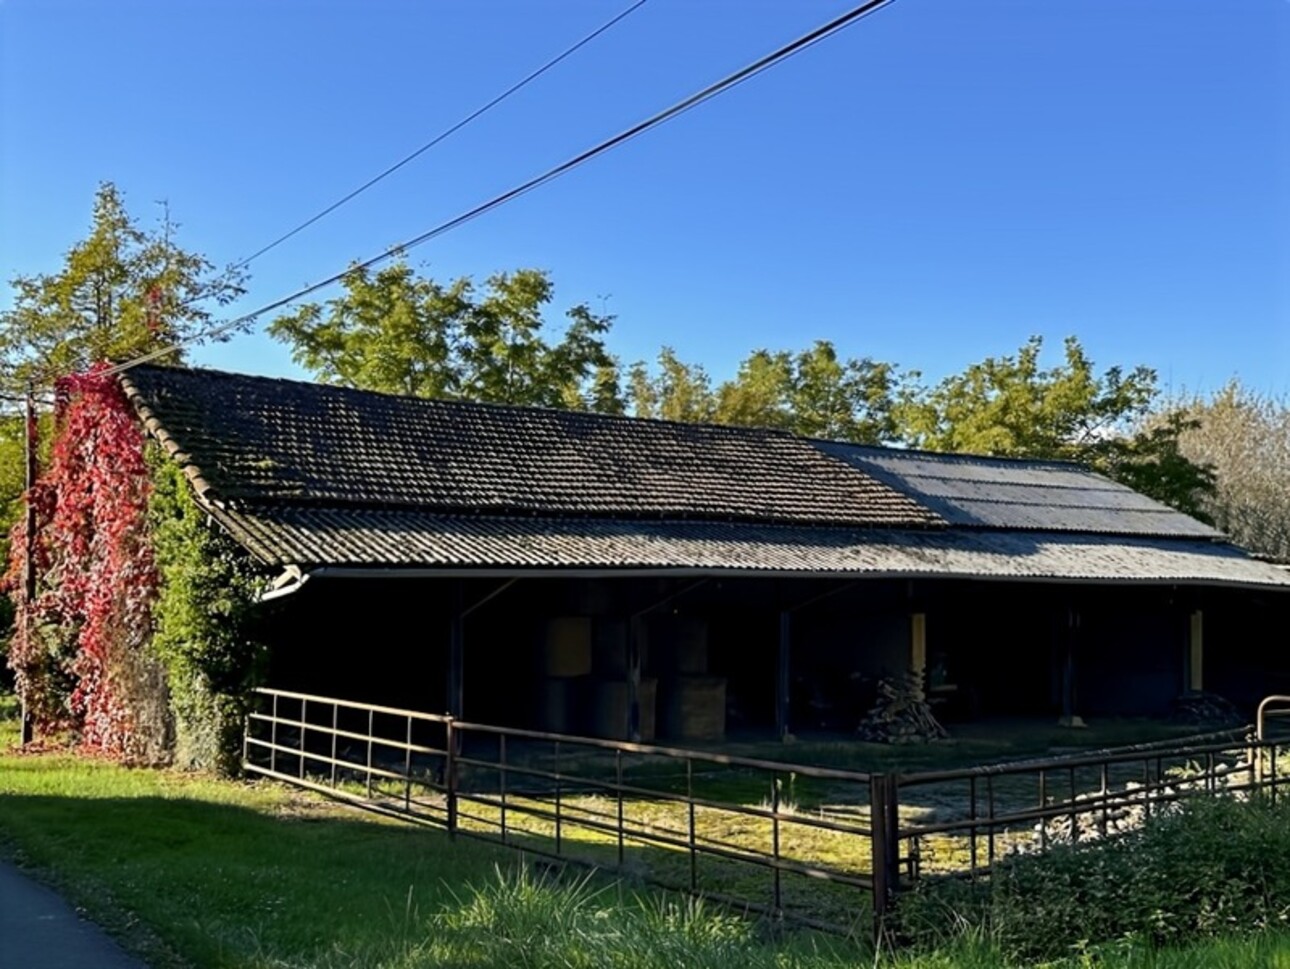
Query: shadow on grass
point(189, 881)
point(183, 881)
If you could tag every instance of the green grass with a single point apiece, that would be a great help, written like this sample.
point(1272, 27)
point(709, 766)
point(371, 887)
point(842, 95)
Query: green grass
point(192, 871)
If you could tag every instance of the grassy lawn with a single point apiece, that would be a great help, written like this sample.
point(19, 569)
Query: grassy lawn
point(191, 871)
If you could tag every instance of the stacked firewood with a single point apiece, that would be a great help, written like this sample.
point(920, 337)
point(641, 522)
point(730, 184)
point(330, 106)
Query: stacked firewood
point(901, 714)
point(1205, 709)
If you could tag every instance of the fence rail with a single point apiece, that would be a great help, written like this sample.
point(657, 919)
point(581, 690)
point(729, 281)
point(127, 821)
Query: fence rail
point(727, 827)
point(822, 846)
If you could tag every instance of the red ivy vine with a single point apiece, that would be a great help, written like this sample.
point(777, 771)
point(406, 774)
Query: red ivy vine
point(79, 655)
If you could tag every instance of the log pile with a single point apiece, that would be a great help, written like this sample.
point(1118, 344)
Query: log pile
point(901, 714)
point(1205, 710)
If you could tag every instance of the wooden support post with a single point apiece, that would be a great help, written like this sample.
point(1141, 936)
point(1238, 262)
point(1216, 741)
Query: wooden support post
point(783, 671)
point(1196, 653)
point(1069, 717)
point(457, 654)
point(918, 642)
point(635, 633)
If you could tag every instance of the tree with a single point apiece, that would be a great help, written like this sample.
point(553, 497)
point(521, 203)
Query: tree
point(678, 392)
point(1009, 406)
point(1245, 437)
point(812, 393)
point(122, 291)
point(399, 332)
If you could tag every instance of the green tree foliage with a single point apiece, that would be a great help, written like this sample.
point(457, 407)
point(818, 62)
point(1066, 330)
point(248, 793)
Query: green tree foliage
point(202, 619)
point(396, 331)
point(122, 291)
point(1011, 407)
point(812, 392)
point(678, 391)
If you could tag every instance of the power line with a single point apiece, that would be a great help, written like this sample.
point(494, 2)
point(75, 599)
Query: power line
point(440, 137)
point(694, 100)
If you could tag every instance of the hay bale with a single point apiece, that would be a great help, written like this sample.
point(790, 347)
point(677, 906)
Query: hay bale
point(694, 707)
point(561, 701)
point(567, 646)
point(611, 704)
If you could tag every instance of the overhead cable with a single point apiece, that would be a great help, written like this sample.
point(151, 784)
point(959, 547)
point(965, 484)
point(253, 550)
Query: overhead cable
point(439, 137)
point(694, 100)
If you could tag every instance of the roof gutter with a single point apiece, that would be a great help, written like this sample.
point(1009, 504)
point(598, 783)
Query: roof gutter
point(290, 585)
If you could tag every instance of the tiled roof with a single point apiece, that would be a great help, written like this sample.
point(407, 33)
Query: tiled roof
point(250, 440)
point(979, 492)
point(315, 476)
point(362, 538)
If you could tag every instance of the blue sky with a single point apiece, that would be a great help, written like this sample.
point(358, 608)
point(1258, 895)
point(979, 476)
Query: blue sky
point(932, 185)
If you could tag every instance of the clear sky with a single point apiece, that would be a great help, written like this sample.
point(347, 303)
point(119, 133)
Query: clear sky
point(934, 184)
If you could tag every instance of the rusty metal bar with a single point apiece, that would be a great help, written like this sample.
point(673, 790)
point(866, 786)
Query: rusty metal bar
point(774, 839)
point(1261, 715)
point(1106, 790)
point(304, 728)
point(352, 704)
point(1074, 812)
point(450, 777)
point(1183, 747)
point(556, 759)
point(501, 754)
point(618, 772)
point(879, 850)
point(335, 723)
point(370, 734)
point(1043, 806)
point(407, 768)
point(675, 753)
point(689, 794)
point(972, 861)
point(273, 738)
point(989, 807)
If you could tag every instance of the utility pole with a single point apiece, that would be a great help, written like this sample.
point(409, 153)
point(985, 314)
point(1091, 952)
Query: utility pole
point(29, 539)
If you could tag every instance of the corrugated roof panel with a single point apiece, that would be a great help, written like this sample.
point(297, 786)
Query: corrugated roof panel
point(394, 539)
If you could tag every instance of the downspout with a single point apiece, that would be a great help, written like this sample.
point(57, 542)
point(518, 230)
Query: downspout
point(291, 580)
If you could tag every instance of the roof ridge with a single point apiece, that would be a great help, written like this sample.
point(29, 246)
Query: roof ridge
point(956, 456)
point(559, 412)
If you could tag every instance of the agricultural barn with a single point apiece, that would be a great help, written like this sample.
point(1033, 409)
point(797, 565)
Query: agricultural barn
point(623, 577)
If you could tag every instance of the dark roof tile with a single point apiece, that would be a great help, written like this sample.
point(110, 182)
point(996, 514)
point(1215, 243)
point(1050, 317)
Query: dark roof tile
point(253, 440)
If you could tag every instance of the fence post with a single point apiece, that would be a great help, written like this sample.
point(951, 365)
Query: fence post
point(885, 850)
point(450, 778)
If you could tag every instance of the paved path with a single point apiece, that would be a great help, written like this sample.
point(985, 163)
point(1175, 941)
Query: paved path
point(38, 930)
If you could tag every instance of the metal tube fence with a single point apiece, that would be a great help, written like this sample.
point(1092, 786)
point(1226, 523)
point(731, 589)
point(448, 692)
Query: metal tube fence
point(694, 820)
point(1100, 794)
point(824, 847)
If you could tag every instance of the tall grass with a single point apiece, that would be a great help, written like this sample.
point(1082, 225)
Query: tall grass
point(194, 872)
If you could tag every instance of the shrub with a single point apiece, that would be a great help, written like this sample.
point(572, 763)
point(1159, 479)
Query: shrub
point(201, 615)
point(1214, 867)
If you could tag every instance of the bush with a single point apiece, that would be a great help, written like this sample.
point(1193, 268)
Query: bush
point(1214, 867)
